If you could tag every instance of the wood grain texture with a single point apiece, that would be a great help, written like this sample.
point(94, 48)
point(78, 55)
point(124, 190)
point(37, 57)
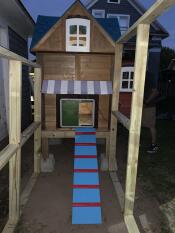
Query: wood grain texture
point(136, 115)
point(76, 67)
point(15, 86)
point(37, 119)
point(115, 105)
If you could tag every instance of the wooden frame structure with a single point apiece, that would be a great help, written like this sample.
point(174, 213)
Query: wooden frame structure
point(12, 153)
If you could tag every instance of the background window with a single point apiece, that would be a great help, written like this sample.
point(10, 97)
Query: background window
point(98, 13)
point(124, 21)
point(127, 79)
point(77, 35)
point(114, 1)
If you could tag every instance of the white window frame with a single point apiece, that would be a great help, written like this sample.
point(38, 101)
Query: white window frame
point(78, 22)
point(118, 17)
point(98, 11)
point(129, 69)
point(110, 1)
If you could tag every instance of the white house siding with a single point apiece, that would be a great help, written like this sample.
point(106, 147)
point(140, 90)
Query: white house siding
point(3, 84)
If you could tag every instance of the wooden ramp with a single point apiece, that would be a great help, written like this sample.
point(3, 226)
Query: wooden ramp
point(86, 207)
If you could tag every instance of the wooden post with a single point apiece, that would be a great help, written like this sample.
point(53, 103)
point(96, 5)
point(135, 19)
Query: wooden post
point(115, 103)
point(37, 118)
point(136, 115)
point(45, 148)
point(15, 80)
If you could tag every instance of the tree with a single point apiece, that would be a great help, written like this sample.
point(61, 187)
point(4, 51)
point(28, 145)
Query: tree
point(167, 54)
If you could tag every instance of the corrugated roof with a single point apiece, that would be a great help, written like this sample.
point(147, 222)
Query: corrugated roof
point(45, 23)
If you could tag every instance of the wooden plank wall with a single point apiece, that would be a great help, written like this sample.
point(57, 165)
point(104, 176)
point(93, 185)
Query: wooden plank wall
point(76, 67)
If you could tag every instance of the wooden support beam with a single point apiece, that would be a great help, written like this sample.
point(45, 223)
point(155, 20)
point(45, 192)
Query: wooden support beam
point(131, 224)
point(13, 56)
point(136, 116)
point(27, 133)
point(115, 104)
point(158, 8)
point(69, 134)
point(15, 83)
point(37, 118)
point(6, 154)
point(122, 119)
point(45, 148)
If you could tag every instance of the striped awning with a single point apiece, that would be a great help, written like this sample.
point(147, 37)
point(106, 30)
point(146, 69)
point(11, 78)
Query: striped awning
point(77, 87)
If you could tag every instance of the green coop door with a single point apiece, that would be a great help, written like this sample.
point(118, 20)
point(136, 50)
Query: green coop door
point(77, 112)
point(70, 113)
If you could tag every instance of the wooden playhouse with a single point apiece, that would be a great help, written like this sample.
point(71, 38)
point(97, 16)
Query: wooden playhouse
point(51, 50)
point(76, 53)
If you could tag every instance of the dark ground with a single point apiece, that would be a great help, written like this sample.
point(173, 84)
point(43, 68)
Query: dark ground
point(155, 193)
point(156, 178)
point(26, 172)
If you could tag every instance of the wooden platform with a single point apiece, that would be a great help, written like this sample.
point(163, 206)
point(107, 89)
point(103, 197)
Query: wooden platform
point(49, 207)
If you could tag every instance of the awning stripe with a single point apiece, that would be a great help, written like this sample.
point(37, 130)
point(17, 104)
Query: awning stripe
point(77, 87)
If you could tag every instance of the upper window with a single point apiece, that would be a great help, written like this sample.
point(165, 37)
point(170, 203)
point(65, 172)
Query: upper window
point(114, 1)
point(123, 20)
point(78, 35)
point(98, 13)
point(127, 79)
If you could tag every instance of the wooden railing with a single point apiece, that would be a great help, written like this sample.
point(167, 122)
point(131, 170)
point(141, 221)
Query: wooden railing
point(12, 153)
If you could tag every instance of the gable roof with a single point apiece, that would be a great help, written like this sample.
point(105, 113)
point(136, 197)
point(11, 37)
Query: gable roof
point(45, 24)
point(139, 7)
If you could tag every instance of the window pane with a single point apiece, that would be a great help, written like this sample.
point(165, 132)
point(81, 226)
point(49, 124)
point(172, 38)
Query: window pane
point(73, 29)
point(132, 75)
point(124, 21)
point(112, 16)
point(73, 41)
point(125, 75)
point(114, 1)
point(131, 85)
point(82, 41)
point(125, 85)
point(82, 30)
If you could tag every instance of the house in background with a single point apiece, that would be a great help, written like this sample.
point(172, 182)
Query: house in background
point(128, 12)
point(16, 25)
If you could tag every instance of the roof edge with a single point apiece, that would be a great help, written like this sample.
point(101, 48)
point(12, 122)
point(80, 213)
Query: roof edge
point(137, 5)
point(25, 11)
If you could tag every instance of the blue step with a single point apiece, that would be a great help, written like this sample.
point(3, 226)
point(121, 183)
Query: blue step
point(86, 215)
point(85, 150)
point(86, 207)
point(85, 139)
point(85, 164)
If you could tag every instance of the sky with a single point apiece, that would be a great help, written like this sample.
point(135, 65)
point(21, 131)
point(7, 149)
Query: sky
point(57, 8)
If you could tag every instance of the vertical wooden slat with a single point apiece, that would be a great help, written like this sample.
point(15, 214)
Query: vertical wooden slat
point(45, 148)
point(77, 67)
point(115, 103)
point(15, 80)
point(136, 115)
point(37, 118)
